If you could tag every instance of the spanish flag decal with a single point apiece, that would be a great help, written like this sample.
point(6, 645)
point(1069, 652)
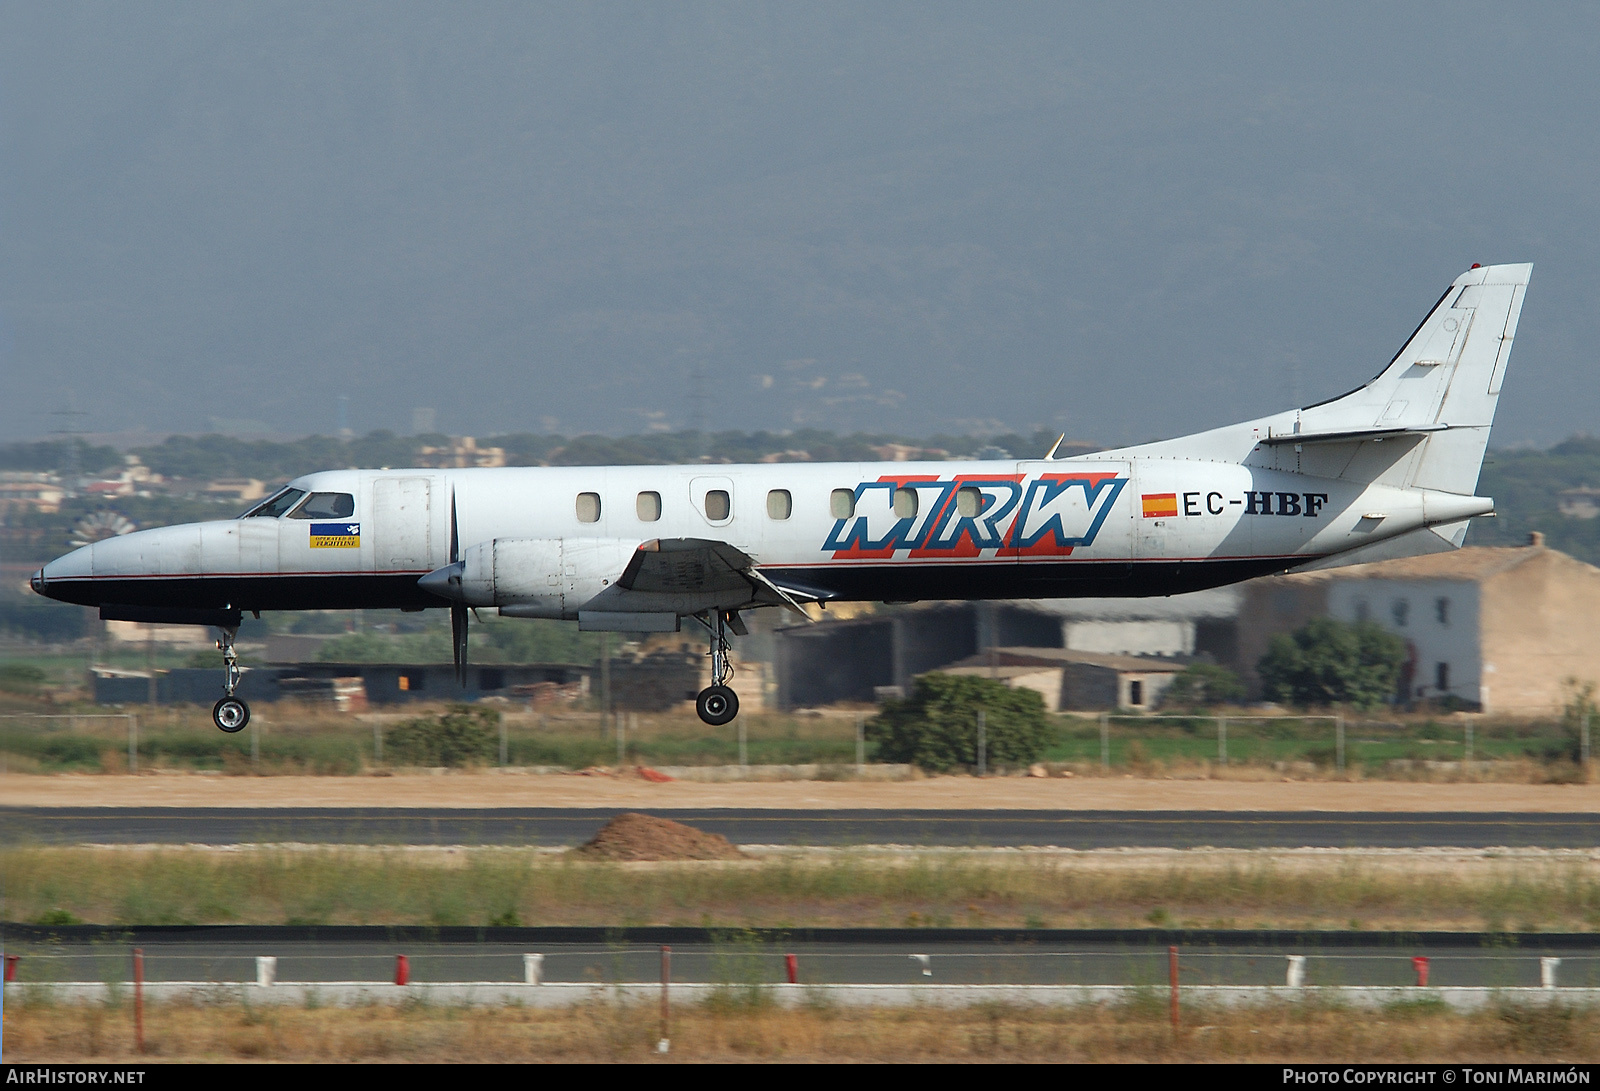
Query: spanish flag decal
point(335, 535)
point(1159, 504)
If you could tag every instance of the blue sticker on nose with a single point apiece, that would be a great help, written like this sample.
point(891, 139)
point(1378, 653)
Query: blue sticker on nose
point(335, 535)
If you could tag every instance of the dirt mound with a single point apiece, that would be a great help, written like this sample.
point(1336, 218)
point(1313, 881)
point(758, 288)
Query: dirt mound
point(635, 836)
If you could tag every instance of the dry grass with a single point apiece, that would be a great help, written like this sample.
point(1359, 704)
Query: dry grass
point(602, 1032)
point(265, 885)
point(311, 739)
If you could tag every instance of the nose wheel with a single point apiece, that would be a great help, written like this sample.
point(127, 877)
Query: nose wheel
point(230, 714)
point(717, 704)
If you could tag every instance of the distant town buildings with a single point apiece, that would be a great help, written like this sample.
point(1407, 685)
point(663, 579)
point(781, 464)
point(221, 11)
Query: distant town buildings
point(900, 452)
point(239, 490)
point(462, 452)
point(1579, 503)
point(22, 491)
point(41, 492)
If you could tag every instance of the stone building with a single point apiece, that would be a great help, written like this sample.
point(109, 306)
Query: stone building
point(1500, 629)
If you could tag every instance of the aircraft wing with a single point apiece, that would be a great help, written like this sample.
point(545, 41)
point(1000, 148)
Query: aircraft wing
point(680, 576)
point(687, 566)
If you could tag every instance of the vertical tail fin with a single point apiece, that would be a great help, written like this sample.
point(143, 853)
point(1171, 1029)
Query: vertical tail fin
point(1445, 380)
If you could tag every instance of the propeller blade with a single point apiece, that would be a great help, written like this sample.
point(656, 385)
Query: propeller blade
point(455, 537)
point(458, 640)
point(458, 611)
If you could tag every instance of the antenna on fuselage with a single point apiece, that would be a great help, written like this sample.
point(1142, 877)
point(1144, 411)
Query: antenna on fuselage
point(1051, 453)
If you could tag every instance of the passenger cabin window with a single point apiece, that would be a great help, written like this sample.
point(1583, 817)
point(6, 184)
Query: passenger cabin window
point(842, 503)
point(274, 506)
point(588, 507)
point(719, 505)
point(905, 503)
point(969, 502)
point(649, 507)
point(326, 505)
point(780, 505)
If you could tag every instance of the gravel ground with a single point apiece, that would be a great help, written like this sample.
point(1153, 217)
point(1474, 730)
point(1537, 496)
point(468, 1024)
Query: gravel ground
point(513, 789)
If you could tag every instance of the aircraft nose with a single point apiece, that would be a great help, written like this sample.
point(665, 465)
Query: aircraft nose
point(64, 577)
point(444, 582)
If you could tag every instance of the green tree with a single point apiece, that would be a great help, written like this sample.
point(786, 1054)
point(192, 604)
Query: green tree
point(465, 735)
point(1203, 684)
point(1579, 712)
point(21, 678)
point(936, 728)
point(1328, 662)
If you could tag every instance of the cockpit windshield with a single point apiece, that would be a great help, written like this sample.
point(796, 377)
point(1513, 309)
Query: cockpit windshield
point(274, 506)
point(326, 505)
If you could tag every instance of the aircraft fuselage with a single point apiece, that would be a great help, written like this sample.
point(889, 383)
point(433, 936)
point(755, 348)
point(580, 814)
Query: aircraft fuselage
point(850, 531)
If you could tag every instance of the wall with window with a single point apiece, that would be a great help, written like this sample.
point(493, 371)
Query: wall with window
point(1439, 621)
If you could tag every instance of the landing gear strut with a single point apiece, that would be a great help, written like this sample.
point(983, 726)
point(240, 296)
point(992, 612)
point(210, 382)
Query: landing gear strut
point(717, 704)
point(230, 714)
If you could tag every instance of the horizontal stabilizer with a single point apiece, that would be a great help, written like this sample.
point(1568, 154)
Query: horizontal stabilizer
point(1352, 434)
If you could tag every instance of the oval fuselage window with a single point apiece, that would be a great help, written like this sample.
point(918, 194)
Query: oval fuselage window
point(719, 505)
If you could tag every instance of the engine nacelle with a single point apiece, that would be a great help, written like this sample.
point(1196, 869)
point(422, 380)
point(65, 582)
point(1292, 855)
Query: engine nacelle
point(542, 577)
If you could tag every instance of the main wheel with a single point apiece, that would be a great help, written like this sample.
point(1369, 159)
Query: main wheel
point(230, 714)
point(717, 705)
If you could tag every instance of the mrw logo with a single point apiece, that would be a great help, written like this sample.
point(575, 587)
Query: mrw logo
point(335, 535)
point(1006, 516)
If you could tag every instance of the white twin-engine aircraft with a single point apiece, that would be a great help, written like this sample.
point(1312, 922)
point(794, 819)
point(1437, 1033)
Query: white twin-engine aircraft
point(1387, 470)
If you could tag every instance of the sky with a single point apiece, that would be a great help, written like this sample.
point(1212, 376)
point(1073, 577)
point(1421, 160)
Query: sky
point(1118, 221)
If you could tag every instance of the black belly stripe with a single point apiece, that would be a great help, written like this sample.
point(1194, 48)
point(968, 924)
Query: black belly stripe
point(895, 581)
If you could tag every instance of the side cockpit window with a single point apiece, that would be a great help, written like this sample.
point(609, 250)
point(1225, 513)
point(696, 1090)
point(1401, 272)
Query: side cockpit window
point(326, 505)
point(274, 506)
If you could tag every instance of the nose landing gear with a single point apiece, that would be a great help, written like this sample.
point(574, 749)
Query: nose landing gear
point(717, 704)
point(230, 714)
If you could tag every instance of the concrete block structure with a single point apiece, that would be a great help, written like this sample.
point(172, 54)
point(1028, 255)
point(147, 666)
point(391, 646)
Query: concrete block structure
point(336, 683)
point(1073, 681)
point(863, 658)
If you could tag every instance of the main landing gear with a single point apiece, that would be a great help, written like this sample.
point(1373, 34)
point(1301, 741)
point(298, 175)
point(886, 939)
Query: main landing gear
point(230, 714)
point(717, 704)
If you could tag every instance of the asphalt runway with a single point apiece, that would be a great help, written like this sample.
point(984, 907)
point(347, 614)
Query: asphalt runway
point(556, 827)
point(226, 956)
